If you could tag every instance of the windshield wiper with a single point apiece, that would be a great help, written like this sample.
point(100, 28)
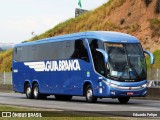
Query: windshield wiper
point(114, 78)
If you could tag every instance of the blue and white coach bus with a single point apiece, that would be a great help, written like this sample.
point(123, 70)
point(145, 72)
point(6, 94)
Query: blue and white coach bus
point(96, 64)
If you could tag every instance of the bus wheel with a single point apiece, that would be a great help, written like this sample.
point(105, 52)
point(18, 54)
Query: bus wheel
point(123, 100)
point(89, 95)
point(36, 94)
point(28, 91)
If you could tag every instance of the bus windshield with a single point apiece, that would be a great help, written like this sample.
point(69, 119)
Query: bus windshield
point(126, 62)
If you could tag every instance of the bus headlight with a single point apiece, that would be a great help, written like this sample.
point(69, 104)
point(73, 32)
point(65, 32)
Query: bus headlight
point(113, 85)
point(144, 85)
point(124, 87)
point(110, 84)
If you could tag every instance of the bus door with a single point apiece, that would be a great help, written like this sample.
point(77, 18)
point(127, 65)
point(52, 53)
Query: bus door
point(80, 54)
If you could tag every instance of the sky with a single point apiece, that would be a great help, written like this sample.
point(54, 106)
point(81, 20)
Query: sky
point(19, 18)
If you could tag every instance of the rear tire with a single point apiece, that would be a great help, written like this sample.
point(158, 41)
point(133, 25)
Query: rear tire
point(123, 100)
point(28, 91)
point(36, 94)
point(89, 95)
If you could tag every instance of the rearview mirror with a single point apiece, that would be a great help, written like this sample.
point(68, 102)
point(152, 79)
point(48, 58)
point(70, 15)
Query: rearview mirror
point(104, 54)
point(151, 56)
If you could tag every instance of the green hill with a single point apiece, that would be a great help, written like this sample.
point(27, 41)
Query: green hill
point(140, 18)
point(92, 20)
point(5, 60)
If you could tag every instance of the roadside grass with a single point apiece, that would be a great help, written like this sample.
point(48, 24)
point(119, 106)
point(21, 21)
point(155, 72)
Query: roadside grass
point(70, 116)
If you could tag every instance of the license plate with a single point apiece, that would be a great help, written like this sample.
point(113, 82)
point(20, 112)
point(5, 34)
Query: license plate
point(130, 93)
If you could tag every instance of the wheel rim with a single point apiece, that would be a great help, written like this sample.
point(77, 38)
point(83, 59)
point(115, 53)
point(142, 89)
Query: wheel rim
point(35, 91)
point(28, 92)
point(89, 94)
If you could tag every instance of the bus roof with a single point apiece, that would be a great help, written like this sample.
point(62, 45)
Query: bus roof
point(105, 36)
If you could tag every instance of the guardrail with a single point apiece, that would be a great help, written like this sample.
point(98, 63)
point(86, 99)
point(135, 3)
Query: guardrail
point(6, 78)
point(153, 75)
point(6, 87)
point(153, 93)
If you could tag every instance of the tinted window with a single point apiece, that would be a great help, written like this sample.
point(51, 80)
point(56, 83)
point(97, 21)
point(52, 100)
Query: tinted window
point(49, 51)
point(67, 49)
point(32, 53)
point(97, 57)
point(94, 43)
point(80, 51)
point(52, 51)
point(17, 54)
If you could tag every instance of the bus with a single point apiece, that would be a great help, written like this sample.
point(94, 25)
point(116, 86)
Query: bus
point(93, 64)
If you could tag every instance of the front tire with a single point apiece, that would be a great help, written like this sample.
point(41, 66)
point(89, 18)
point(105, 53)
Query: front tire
point(89, 95)
point(28, 91)
point(123, 100)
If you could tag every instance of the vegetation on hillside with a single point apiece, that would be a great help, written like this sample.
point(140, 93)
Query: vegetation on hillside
point(156, 62)
point(5, 60)
point(155, 26)
point(92, 20)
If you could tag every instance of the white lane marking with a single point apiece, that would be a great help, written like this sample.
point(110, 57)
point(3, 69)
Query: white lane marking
point(146, 100)
point(145, 108)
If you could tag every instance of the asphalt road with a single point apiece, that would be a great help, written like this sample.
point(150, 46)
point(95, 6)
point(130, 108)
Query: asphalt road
point(79, 104)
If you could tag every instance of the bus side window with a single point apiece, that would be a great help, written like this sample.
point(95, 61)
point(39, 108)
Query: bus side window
point(80, 51)
point(17, 54)
point(98, 58)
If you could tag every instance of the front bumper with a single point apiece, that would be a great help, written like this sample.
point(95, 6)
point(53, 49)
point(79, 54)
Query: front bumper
point(108, 89)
